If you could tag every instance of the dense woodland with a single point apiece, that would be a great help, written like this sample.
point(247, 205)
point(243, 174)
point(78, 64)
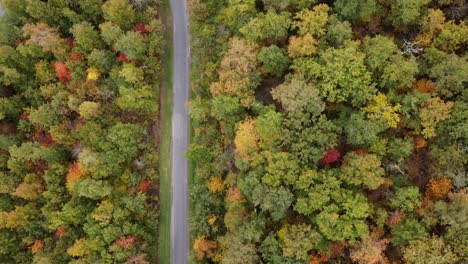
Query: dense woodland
point(329, 131)
point(79, 89)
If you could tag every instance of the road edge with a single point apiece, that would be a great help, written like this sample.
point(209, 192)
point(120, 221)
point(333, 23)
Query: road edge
point(165, 162)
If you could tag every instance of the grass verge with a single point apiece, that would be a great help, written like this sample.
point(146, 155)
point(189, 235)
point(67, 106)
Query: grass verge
point(165, 147)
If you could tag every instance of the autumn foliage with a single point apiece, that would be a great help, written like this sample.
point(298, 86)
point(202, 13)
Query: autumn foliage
point(439, 188)
point(37, 246)
point(215, 184)
point(144, 185)
point(75, 56)
point(122, 57)
point(141, 27)
point(45, 139)
point(62, 71)
point(371, 250)
point(60, 232)
point(246, 140)
point(204, 248)
point(74, 173)
point(425, 86)
point(234, 195)
point(330, 156)
point(126, 242)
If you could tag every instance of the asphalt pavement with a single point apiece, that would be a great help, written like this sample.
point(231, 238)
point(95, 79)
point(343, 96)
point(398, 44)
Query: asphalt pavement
point(180, 133)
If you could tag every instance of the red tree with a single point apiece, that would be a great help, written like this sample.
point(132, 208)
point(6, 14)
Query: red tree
point(144, 185)
point(24, 116)
point(140, 27)
point(62, 71)
point(330, 156)
point(75, 56)
point(362, 152)
point(126, 242)
point(122, 57)
point(71, 43)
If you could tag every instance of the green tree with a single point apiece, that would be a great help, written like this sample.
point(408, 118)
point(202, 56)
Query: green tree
point(138, 100)
point(237, 252)
point(309, 142)
point(125, 140)
point(268, 124)
point(228, 110)
point(273, 200)
point(253, 230)
point(398, 149)
point(110, 32)
point(299, 240)
point(92, 8)
point(343, 76)
point(272, 252)
point(282, 167)
point(409, 229)
point(131, 73)
point(407, 12)
point(93, 189)
point(452, 215)
point(86, 38)
point(132, 44)
point(400, 72)
point(345, 219)
point(299, 98)
point(429, 250)
point(361, 131)
point(379, 50)
point(119, 12)
point(267, 26)
point(274, 60)
point(448, 71)
point(362, 170)
point(356, 10)
point(103, 60)
point(338, 32)
point(237, 13)
point(407, 199)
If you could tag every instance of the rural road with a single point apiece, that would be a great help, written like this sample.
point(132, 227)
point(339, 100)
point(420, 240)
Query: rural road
point(180, 133)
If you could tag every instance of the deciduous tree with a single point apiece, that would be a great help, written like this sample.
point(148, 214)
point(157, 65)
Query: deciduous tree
point(362, 170)
point(434, 111)
point(268, 26)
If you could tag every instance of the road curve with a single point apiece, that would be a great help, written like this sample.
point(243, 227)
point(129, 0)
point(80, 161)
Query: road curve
point(180, 133)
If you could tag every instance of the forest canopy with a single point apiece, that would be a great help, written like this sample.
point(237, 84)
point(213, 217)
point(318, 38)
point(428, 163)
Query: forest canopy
point(329, 131)
point(79, 92)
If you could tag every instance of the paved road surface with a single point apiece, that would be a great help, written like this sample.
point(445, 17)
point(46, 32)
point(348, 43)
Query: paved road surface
point(180, 131)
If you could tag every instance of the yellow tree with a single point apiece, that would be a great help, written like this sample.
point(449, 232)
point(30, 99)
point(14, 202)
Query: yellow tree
point(381, 109)
point(31, 188)
point(215, 184)
point(246, 139)
point(238, 72)
point(204, 248)
point(312, 21)
point(433, 112)
point(432, 24)
point(79, 249)
point(302, 46)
